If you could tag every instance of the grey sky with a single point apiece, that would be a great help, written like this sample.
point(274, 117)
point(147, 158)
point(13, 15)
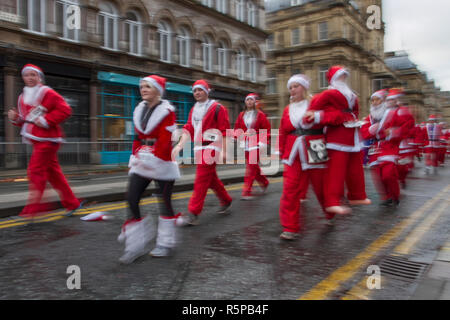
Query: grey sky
point(421, 28)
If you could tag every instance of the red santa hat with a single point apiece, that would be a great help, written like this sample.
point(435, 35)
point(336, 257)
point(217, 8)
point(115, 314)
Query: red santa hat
point(156, 81)
point(33, 67)
point(395, 93)
point(253, 96)
point(335, 72)
point(300, 79)
point(380, 94)
point(201, 84)
point(433, 117)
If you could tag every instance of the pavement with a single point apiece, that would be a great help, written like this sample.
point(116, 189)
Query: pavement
point(96, 183)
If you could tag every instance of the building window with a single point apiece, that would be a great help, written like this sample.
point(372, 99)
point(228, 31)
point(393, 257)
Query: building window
point(253, 67)
point(323, 82)
point(240, 64)
point(377, 84)
point(295, 36)
point(323, 31)
point(208, 3)
point(165, 41)
point(108, 25)
point(66, 26)
point(35, 13)
point(270, 42)
point(221, 5)
point(184, 47)
point(271, 87)
point(251, 14)
point(222, 58)
point(133, 33)
point(207, 54)
point(296, 2)
point(240, 10)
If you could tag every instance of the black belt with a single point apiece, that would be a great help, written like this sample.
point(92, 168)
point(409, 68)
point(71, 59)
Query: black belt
point(148, 142)
point(206, 143)
point(307, 132)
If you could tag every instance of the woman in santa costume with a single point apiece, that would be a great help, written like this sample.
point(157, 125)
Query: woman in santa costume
point(253, 125)
point(303, 152)
point(207, 126)
point(344, 142)
point(154, 123)
point(390, 131)
point(40, 112)
point(432, 144)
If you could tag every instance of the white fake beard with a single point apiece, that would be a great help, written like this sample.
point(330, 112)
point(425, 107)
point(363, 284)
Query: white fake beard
point(29, 94)
point(343, 88)
point(376, 112)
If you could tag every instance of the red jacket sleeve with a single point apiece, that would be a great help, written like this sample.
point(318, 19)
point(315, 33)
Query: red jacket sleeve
point(326, 114)
point(223, 121)
point(188, 126)
point(57, 108)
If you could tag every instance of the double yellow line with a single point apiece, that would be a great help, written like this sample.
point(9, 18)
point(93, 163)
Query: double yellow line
point(341, 275)
point(9, 223)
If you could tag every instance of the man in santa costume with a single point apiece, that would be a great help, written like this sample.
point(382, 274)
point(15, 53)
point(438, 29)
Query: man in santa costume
point(377, 110)
point(407, 148)
point(207, 126)
point(432, 144)
point(344, 142)
point(151, 159)
point(40, 112)
point(252, 129)
point(444, 144)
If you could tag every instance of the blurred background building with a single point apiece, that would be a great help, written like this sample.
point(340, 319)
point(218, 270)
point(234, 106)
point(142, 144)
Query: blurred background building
point(98, 66)
point(309, 36)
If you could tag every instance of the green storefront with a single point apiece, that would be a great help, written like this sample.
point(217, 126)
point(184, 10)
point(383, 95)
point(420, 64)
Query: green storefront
point(118, 95)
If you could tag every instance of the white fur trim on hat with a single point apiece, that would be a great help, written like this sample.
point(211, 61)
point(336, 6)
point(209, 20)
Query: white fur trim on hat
point(301, 79)
point(154, 83)
point(199, 86)
point(339, 73)
point(27, 68)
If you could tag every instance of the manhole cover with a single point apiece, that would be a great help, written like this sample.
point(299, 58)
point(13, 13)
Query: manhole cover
point(402, 268)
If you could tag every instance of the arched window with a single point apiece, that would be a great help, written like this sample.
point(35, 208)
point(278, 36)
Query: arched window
point(68, 19)
point(184, 47)
point(133, 32)
point(222, 58)
point(208, 47)
point(165, 41)
point(241, 58)
point(108, 25)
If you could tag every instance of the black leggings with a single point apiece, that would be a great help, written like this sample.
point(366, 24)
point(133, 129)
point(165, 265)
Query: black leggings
point(137, 186)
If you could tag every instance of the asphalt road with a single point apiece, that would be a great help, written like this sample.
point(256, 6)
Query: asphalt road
point(238, 256)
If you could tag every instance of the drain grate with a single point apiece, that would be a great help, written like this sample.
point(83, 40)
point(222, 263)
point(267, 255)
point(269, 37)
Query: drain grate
point(402, 268)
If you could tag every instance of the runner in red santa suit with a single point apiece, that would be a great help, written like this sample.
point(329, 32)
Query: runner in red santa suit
point(377, 110)
point(419, 139)
point(154, 122)
point(254, 129)
point(407, 149)
point(432, 144)
point(444, 144)
point(40, 112)
point(344, 143)
point(395, 125)
point(303, 152)
point(207, 126)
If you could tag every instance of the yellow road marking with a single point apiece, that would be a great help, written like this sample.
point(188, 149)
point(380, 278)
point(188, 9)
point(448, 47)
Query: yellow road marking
point(344, 273)
point(414, 236)
point(361, 291)
point(117, 206)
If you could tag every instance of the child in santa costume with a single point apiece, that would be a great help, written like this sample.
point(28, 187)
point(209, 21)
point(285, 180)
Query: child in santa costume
point(377, 110)
point(344, 142)
point(432, 144)
point(303, 152)
point(254, 129)
point(207, 126)
point(40, 112)
point(154, 123)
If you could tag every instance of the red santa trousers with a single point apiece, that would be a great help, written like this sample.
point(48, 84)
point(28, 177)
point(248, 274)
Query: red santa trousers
point(205, 178)
point(344, 167)
point(385, 177)
point(43, 167)
point(294, 181)
point(431, 157)
point(253, 172)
